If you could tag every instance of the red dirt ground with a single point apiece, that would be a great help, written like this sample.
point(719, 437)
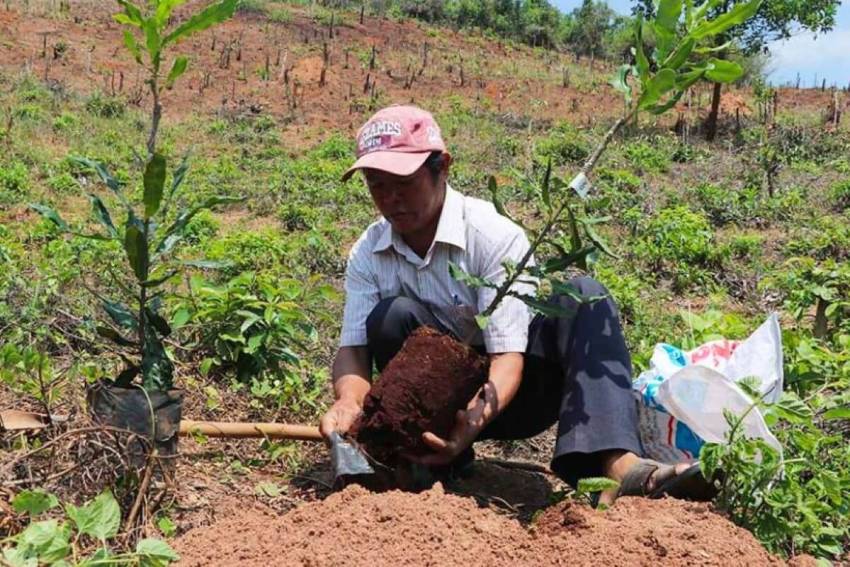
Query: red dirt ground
point(94, 58)
point(357, 527)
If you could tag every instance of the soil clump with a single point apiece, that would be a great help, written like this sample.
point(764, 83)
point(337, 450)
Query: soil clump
point(421, 389)
point(357, 527)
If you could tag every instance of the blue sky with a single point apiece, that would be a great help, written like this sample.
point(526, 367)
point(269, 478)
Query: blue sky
point(827, 56)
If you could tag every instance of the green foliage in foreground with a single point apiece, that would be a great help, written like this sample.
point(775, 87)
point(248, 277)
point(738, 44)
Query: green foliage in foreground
point(62, 540)
point(793, 503)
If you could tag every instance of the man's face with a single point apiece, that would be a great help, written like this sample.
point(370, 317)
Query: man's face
point(411, 203)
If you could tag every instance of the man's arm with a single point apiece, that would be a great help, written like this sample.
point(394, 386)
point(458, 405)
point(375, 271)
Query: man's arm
point(351, 380)
point(493, 397)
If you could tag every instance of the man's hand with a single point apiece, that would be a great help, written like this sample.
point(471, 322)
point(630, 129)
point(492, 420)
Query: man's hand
point(340, 417)
point(469, 423)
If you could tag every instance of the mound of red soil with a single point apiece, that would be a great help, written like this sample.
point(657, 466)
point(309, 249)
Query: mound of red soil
point(421, 389)
point(356, 527)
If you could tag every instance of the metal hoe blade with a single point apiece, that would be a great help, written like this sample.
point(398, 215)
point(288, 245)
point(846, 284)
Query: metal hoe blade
point(347, 459)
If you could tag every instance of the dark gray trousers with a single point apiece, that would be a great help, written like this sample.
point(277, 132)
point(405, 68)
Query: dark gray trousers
point(577, 373)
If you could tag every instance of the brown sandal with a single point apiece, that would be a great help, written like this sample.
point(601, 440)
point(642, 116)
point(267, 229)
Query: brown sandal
point(687, 485)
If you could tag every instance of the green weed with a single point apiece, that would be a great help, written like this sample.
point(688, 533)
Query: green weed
point(72, 534)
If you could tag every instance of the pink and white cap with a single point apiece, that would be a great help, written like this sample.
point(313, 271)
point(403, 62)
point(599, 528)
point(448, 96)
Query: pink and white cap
point(397, 139)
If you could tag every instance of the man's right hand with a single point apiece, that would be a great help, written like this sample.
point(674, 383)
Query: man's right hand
point(340, 417)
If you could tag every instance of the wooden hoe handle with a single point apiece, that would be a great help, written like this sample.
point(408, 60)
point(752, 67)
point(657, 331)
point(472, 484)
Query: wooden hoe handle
point(236, 430)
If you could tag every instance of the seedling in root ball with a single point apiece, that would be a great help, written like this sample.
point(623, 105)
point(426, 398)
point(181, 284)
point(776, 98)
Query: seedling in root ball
point(149, 234)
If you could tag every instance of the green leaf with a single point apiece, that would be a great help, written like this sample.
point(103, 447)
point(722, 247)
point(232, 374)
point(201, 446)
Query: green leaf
point(595, 484)
point(562, 262)
point(157, 368)
point(155, 553)
point(99, 518)
point(132, 45)
point(736, 16)
point(836, 413)
point(34, 502)
point(153, 42)
point(641, 62)
point(49, 540)
point(120, 314)
point(472, 281)
point(207, 17)
point(164, 9)
point(113, 335)
point(180, 318)
point(51, 215)
point(208, 264)
point(658, 86)
point(154, 181)
point(547, 200)
point(546, 308)
point(482, 321)
point(792, 409)
point(132, 14)
point(158, 322)
point(166, 526)
point(721, 71)
point(493, 187)
point(101, 213)
point(598, 241)
point(668, 14)
point(620, 82)
point(102, 172)
point(136, 246)
point(160, 280)
point(179, 175)
point(175, 232)
point(680, 55)
point(177, 69)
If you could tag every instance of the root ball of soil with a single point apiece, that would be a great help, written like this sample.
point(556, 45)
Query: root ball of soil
point(421, 389)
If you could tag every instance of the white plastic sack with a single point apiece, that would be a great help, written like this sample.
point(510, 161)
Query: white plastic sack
point(682, 396)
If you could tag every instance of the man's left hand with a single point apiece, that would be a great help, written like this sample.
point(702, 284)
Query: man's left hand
point(469, 423)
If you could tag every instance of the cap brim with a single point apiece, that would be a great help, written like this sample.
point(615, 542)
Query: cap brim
point(396, 163)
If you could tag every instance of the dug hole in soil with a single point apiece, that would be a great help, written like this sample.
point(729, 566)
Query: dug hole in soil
point(358, 527)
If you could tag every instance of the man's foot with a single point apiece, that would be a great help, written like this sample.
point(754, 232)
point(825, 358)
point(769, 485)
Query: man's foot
point(645, 477)
point(654, 480)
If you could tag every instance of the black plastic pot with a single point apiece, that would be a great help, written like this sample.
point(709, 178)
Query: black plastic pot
point(154, 416)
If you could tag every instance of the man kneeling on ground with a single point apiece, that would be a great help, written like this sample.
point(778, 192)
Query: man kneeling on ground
point(571, 370)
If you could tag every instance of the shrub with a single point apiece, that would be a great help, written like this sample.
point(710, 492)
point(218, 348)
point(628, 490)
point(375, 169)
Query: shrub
point(793, 502)
point(65, 121)
point(825, 237)
point(646, 157)
point(724, 205)
point(746, 245)
point(678, 242)
point(105, 106)
point(839, 194)
point(14, 181)
point(251, 326)
point(27, 111)
point(564, 145)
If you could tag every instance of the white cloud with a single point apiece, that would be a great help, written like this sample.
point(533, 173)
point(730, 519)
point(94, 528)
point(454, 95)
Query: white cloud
point(826, 55)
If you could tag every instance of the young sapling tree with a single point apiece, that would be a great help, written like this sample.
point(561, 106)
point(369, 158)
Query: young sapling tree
point(149, 234)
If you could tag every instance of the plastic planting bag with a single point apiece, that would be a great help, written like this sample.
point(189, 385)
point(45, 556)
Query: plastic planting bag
point(682, 396)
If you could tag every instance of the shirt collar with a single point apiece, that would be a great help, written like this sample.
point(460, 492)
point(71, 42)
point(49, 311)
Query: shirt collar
point(451, 228)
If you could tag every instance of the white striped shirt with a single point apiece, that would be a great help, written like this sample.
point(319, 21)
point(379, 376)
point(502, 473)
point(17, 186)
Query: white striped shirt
point(471, 234)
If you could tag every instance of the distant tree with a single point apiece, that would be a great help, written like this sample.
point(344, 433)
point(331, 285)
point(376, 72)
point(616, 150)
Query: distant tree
point(427, 10)
point(592, 23)
point(775, 19)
